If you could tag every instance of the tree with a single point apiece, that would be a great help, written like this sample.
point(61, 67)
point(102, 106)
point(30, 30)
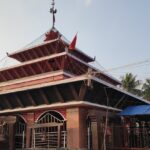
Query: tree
point(146, 90)
point(131, 84)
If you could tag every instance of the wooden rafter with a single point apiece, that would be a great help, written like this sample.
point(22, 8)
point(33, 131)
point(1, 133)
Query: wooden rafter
point(82, 91)
point(3, 77)
point(24, 71)
point(57, 63)
point(78, 68)
point(74, 92)
point(39, 66)
point(22, 55)
point(18, 100)
point(53, 48)
point(9, 75)
point(30, 98)
point(28, 55)
point(16, 73)
point(20, 71)
point(58, 94)
point(61, 46)
point(102, 96)
point(1, 104)
point(48, 65)
point(35, 54)
point(6, 101)
point(70, 66)
point(18, 57)
point(119, 101)
point(45, 67)
point(63, 62)
point(32, 70)
point(41, 92)
point(41, 52)
point(31, 53)
point(46, 50)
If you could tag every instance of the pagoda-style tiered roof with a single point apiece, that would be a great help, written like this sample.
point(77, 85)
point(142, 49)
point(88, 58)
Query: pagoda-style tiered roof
point(56, 43)
point(50, 72)
point(61, 93)
point(50, 56)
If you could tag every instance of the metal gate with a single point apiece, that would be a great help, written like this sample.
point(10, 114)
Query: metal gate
point(20, 130)
point(49, 132)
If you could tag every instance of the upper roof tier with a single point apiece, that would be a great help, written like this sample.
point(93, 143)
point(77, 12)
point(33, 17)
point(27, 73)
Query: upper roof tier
point(50, 43)
point(51, 53)
point(62, 61)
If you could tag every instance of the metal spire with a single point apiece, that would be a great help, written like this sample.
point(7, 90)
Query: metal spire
point(53, 11)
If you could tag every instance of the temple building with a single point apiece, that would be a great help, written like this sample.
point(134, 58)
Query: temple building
point(55, 99)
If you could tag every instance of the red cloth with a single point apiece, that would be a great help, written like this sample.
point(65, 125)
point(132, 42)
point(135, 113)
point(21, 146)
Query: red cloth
point(73, 43)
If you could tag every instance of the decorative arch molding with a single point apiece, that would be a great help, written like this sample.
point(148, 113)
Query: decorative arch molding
point(48, 111)
point(22, 117)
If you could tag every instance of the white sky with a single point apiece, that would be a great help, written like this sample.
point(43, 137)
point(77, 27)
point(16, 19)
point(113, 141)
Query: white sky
point(117, 32)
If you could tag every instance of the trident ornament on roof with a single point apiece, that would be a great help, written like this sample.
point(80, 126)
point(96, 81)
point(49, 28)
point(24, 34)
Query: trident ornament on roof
point(53, 11)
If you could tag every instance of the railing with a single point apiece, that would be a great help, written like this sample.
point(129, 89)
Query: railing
point(49, 140)
point(128, 137)
point(20, 140)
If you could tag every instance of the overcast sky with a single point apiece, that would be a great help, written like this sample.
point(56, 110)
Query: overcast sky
point(117, 32)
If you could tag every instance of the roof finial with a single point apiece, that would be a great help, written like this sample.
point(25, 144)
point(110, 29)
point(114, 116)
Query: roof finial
point(53, 11)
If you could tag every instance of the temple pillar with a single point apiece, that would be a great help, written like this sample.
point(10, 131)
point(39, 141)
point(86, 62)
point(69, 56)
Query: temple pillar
point(11, 137)
point(95, 130)
point(30, 121)
point(11, 120)
point(95, 135)
point(76, 128)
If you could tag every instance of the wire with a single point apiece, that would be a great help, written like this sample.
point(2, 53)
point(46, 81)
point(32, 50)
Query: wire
point(98, 63)
point(36, 40)
point(129, 65)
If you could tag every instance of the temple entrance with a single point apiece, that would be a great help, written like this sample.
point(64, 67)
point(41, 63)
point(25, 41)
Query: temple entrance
point(49, 131)
point(20, 132)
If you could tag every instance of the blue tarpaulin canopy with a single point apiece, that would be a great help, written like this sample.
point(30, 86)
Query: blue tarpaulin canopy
point(136, 110)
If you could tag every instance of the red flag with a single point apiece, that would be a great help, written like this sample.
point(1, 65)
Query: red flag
point(73, 43)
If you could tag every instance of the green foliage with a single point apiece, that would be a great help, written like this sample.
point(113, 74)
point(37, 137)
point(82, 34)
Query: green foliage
point(131, 84)
point(146, 90)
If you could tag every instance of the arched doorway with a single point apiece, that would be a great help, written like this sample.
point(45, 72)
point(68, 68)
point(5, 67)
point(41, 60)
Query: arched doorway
point(20, 130)
point(49, 131)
